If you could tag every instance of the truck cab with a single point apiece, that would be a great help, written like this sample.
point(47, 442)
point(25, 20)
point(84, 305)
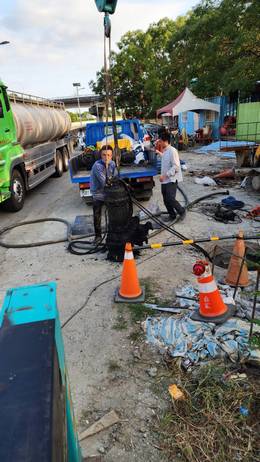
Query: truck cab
point(35, 144)
point(10, 150)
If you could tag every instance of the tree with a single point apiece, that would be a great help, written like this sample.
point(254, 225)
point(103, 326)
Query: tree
point(215, 46)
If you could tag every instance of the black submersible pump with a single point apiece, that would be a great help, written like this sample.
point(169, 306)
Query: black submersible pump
point(122, 226)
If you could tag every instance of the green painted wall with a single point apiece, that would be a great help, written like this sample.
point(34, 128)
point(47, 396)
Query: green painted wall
point(248, 122)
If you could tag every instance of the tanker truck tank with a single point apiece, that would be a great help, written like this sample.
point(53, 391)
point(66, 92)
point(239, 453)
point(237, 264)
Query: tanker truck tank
point(38, 120)
point(36, 143)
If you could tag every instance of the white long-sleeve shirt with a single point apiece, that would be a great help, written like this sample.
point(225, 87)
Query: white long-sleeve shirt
point(170, 166)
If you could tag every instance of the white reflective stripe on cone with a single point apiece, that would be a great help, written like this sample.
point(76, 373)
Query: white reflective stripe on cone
point(129, 255)
point(207, 287)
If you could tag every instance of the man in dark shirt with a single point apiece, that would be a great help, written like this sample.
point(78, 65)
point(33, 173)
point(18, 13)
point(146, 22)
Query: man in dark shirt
point(101, 171)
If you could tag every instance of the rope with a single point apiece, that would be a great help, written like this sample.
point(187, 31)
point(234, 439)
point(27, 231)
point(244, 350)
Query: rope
point(110, 91)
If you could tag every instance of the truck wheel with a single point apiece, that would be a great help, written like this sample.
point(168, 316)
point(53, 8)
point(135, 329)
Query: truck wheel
point(58, 165)
point(17, 188)
point(88, 200)
point(65, 159)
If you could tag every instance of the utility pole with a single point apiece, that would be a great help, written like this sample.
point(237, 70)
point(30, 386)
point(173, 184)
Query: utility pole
point(77, 85)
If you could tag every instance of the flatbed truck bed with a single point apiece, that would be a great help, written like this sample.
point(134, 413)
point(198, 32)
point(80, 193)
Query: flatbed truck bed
point(139, 177)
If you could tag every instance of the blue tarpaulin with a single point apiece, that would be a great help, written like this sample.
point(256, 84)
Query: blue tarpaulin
point(198, 341)
point(214, 148)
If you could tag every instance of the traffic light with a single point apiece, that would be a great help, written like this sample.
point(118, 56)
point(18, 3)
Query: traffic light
point(106, 6)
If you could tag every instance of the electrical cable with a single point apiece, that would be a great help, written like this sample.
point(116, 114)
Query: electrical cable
point(83, 306)
point(207, 196)
point(34, 244)
point(68, 225)
point(113, 278)
point(78, 247)
point(169, 229)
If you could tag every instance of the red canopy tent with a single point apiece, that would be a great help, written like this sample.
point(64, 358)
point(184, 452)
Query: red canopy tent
point(187, 101)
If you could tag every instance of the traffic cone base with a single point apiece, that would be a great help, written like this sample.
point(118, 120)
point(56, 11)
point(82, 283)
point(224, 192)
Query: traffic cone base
point(120, 299)
point(233, 283)
point(212, 307)
point(231, 309)
point(130, 290)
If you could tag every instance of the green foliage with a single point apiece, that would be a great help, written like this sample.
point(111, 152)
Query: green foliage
point(255, 339)
point(73, 117)
point(214, 49)
point(84, 116)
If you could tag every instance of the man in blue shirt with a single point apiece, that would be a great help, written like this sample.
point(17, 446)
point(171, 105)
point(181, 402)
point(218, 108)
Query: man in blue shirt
point(101, 172)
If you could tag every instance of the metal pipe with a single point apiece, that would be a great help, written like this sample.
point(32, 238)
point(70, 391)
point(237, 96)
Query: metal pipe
point(193, 241)
point(254, 303)
point(240, 272)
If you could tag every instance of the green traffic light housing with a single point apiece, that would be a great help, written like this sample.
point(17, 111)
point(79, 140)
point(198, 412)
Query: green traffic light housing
point(106, 6)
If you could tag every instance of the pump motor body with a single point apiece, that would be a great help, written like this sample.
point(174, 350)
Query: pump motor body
point(122, 226)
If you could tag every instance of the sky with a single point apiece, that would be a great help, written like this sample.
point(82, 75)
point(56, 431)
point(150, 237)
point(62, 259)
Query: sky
point(54, 43)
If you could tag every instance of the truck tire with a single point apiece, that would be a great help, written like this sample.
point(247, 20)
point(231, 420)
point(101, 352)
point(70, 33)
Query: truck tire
point(65, 159)
point(17, 188)
point(88, 200)
point(58, 165)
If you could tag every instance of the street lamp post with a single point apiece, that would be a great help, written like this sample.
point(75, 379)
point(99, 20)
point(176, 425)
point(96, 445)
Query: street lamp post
point(78, 85)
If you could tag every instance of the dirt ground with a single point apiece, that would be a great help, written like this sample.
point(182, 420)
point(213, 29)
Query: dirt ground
point(109, 363)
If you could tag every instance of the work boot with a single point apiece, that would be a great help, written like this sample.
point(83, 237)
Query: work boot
point(168, 218)
point(182, 215)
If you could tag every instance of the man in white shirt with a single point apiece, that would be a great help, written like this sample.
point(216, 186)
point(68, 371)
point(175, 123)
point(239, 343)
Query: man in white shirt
point(171, 174)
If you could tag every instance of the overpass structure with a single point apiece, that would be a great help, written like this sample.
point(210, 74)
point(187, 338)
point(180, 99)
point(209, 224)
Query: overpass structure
point(84, 100)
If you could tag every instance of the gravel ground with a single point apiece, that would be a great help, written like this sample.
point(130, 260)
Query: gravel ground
point(107, 369)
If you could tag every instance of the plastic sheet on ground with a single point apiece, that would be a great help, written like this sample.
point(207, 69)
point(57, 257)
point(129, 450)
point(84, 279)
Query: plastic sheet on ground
point(214, 148)
point(190, 292)
point(206, 181)
point(196, 341)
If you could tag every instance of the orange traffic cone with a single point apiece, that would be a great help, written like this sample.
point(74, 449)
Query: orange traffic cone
point(229, 173)
point(130, 290)
point(237, 276)
point(212, 308)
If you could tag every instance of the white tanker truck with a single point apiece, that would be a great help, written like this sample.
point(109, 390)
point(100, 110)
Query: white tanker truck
point(35, 143)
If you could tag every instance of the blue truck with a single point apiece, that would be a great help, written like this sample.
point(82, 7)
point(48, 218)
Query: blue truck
point(130, 133)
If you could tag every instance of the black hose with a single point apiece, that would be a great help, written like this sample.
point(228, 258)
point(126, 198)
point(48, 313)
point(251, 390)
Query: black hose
point(34, 244)
point(79, 247)
point(169, 229)
point(77, 244)
point(207, 196)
